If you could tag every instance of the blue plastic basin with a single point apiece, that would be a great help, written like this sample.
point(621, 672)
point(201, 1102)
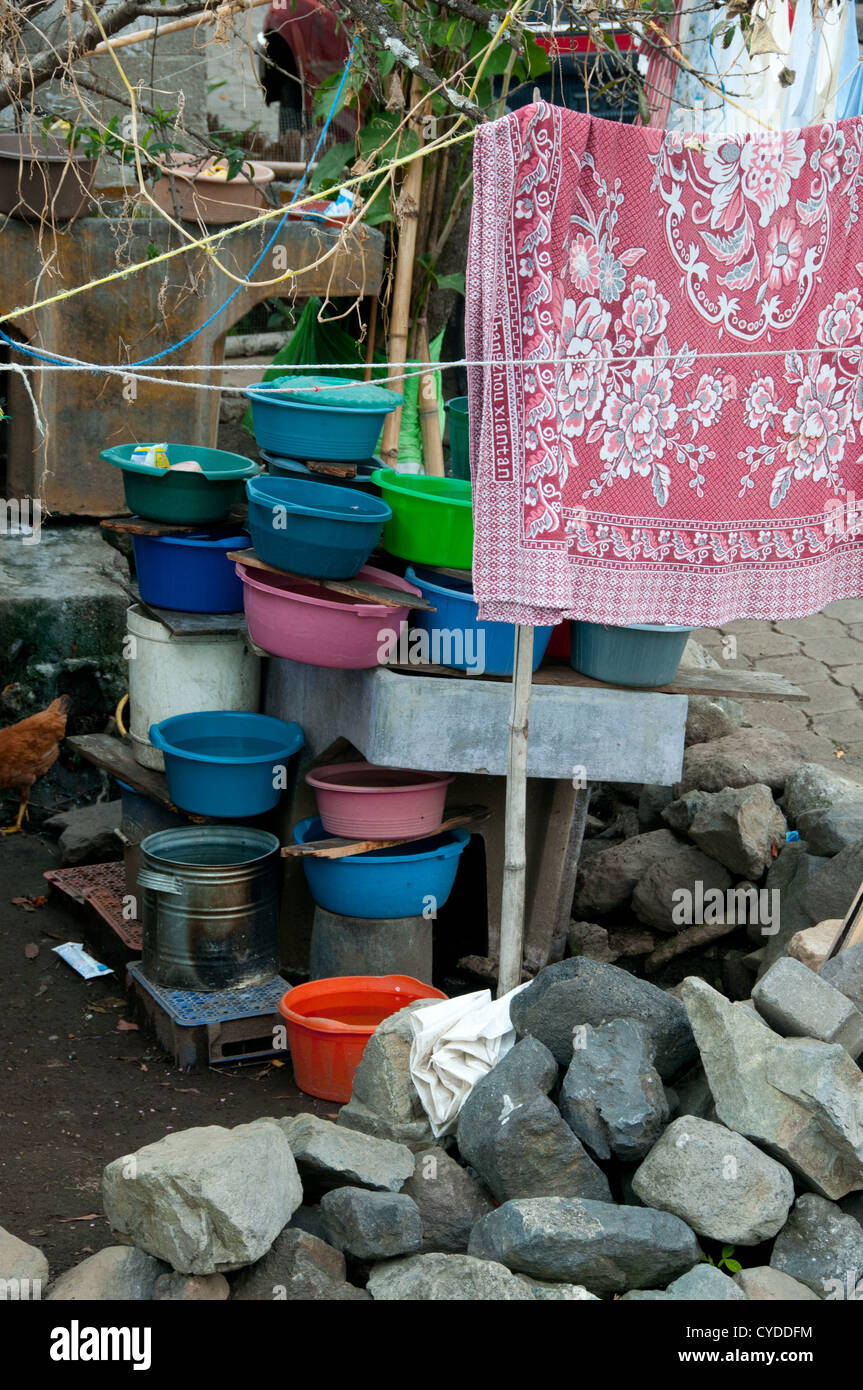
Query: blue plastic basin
point(225, 763)
point(457, 638)
point(190, 573)
point(299, 429)
point(643, 654)
point(313, 529)
point(383, 883)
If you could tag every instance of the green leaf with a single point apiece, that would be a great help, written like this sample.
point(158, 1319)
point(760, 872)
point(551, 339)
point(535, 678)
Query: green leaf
point(726, 1251)
point(644, 113)
point(331, 164)
point(733, 1266)
point(455, 281)
point(324, 97)
point(538, 61)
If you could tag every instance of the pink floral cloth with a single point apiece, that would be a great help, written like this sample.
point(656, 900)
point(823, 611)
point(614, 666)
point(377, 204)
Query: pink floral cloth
point(672, 434)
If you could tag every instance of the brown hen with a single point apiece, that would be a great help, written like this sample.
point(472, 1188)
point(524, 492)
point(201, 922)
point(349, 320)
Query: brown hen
point(27, 750)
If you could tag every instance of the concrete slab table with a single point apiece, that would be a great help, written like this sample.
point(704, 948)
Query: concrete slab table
point(577, 736)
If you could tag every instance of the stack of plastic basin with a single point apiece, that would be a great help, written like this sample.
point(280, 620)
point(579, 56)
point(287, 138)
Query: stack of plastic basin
point(324, 418)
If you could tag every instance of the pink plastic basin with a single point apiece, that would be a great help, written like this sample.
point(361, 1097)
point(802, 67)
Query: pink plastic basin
point(363, 802)
point(292, 618)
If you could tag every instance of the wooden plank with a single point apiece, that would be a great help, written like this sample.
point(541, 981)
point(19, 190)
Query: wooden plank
point(339, 848)
point(196, 624)
point(138, 526)
point(118, 759)
point(332, 470)
point(749, 685)
point(362, 589)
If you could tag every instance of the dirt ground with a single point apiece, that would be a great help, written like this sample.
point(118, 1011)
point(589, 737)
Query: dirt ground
point(76, 1090)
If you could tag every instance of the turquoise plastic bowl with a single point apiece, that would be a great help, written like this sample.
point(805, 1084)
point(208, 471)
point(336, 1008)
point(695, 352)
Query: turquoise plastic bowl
point(313, 529)
point(223, 762)
point(383, 883)
point(327, 431)
point(644, 654)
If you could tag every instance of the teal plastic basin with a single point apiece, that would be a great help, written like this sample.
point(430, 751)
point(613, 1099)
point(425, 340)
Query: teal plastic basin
point(644, 654)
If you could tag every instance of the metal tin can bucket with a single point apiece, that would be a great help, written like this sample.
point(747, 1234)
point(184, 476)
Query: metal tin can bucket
point(210, 907)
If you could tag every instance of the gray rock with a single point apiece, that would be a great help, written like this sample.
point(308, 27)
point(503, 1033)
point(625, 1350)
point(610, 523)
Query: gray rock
point(384, 1100)
point(646, 1296)
point(798, 1003)
point(766, 1285)
point(740, 826)
point(612, 1096)
point(205, 1200)
point(681, 871)
point(792, 1096)
point(829, 831)
point(191, 1288)
point(821, 1246)
point(516, 1138)
point(844, 972)
point(680, 814)
point(606, 1248)
point(606, 881)
point(787, 885)
point(812, 787)
point(462, 1278)
point(715, 1181)
point(582, 991)
point(710, 717)
point(705, 1284)
point(550, 1291)
point(694, 1096)
point(588, 939)
point(18, 1260)
point(652, 801)
point(88, 832)
point(825, 888)
point(372, 1225)
point(450, 1201)
point(744, 757)
point(329, 1155)
point(118, 1274)
point(297, 1268)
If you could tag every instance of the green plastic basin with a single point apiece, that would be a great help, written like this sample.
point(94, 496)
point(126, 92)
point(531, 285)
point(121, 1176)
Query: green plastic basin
point(459, 448)
point(432, 520)
point(160, 494)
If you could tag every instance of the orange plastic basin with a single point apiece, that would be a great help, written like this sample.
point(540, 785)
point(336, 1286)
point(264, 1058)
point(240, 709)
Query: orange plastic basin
point(329, 1023)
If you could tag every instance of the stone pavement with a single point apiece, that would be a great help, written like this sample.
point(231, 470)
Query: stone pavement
point(823, 655)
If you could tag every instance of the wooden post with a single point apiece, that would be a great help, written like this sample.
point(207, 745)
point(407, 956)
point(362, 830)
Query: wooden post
point(515, 826)
point(409, 198)
point(428, 409)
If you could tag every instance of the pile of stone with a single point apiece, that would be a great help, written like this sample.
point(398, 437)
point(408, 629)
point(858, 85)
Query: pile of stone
point(624, 1141)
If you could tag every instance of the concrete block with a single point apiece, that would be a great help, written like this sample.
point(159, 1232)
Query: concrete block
point(370, 946)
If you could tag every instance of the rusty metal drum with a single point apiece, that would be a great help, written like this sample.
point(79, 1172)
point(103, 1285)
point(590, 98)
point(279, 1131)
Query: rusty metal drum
point(210, 907)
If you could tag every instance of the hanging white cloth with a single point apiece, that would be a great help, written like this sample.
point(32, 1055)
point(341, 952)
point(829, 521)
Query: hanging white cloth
point(824, 54)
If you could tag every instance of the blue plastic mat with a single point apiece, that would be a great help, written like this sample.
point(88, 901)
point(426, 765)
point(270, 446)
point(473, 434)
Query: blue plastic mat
point(190, 1008)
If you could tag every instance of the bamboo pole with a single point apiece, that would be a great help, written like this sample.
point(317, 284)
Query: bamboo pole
point(370, 341)
point(400, 311)
point(515, 825)
point(160, 30)
point(428, 408)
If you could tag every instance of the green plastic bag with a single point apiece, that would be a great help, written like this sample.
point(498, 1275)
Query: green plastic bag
point(314, 343)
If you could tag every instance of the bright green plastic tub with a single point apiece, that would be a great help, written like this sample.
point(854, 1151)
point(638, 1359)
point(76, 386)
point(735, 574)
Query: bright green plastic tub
point(643, 654)
point(459, 447)
point(160, 494)
point(432, 520)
